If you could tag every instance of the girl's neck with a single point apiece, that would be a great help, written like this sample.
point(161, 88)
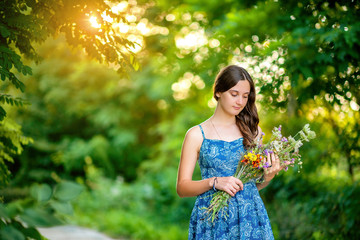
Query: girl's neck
point(220, 117)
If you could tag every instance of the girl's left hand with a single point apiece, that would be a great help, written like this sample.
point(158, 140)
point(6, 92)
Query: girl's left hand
point(274, 163)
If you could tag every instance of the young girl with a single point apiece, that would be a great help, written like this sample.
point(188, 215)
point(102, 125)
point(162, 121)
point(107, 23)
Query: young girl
point(217, 144)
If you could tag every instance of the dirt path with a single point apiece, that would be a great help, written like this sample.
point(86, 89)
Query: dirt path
point(72, 233)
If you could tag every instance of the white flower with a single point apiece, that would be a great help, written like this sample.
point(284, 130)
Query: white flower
point(311, 135)
point(306, 128)
point(303, 136)
point(298, 145)
point(277, 145)
point(292, 141)
point(276, 132)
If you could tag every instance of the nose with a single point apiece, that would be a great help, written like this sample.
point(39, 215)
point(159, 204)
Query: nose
point(240, 101)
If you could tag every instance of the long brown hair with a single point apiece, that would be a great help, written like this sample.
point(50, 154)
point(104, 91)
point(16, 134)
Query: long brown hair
point(247, 120)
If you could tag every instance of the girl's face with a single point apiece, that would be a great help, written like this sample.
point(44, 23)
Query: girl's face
point(235, 99)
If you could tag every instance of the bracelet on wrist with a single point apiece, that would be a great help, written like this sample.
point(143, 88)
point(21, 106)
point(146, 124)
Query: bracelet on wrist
point(215, 181)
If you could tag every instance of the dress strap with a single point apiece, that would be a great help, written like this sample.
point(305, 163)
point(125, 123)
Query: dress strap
point(202, 131)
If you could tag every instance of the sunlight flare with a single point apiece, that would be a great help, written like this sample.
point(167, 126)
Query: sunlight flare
point(94, 23)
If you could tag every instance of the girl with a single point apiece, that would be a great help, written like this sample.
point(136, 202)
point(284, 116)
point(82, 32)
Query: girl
point(217, 145)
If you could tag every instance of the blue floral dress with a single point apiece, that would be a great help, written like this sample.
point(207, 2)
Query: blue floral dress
point(246, 216)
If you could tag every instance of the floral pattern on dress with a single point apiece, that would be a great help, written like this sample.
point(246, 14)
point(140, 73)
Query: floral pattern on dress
point(245, 217)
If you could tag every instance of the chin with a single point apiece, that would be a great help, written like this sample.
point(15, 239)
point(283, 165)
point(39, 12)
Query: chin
point(239, 111)
point(235, 112)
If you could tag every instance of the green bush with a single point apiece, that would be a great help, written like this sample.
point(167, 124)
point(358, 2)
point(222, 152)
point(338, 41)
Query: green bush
point(43, 207)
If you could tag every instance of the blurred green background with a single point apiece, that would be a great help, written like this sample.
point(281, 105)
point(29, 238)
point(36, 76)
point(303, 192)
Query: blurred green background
point(97, 97)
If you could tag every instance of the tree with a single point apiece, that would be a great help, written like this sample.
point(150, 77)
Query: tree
point(82, 110)
point(25, 22)
point(300, 53)
point(304, 57)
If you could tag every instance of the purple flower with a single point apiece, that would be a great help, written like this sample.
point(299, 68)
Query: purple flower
point(286, 168)
point(266, 152)
point(262, 133)
point(279, 128)
point(284, 139)
point(266, 165)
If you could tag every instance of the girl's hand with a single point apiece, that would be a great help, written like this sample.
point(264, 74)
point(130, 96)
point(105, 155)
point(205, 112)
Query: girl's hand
point(231, 185)
point(274, 163)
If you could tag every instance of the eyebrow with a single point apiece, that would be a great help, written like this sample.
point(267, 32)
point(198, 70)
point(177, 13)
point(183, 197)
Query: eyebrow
point(239, 92)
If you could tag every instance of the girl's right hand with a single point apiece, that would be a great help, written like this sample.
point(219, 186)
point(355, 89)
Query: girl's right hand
point(231, 185)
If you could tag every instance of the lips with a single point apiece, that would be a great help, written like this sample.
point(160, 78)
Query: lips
point(237, 108)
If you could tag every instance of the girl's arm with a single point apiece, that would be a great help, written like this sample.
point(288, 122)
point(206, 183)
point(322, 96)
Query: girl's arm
point(185, 186)
point(270, 172)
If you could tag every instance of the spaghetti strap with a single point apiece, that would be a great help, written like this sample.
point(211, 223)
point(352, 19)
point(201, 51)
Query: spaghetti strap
point(202, 131)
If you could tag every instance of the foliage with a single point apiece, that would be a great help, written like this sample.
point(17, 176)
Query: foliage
point(137, 211)
point(300, 54)
point(322, 204)
point(44, 207)
point(11, 142)
point(304, 59)
point(24, 23)
point(82, 110)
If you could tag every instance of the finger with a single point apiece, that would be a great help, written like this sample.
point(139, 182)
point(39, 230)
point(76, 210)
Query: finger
point(277, 161)
point(239, 183)
point(268, 160)
point(273, 161)
point(230, 192)
point(238, 187)
point(234, 190)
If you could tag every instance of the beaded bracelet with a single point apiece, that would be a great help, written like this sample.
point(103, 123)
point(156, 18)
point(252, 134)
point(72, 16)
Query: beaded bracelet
point(215, 180)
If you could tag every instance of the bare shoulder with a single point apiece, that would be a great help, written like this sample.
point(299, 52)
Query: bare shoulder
point(194, 133)
point(194, 137)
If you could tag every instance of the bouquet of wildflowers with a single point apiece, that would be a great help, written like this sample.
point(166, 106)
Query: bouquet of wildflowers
point(252, 164)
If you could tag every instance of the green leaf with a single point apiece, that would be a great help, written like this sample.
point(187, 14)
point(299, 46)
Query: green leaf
point(4, 32)
point(2, 113)
point(67, 191)
point(11, 233)
point(27, 70)
point(3, 212)
point(29, 232)
point(62, 207)
point(41, 192)
point(306, 71)
point(12, 209)
point(39, 218)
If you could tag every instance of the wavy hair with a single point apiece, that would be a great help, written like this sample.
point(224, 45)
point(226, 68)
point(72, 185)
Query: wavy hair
point(247, 120)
